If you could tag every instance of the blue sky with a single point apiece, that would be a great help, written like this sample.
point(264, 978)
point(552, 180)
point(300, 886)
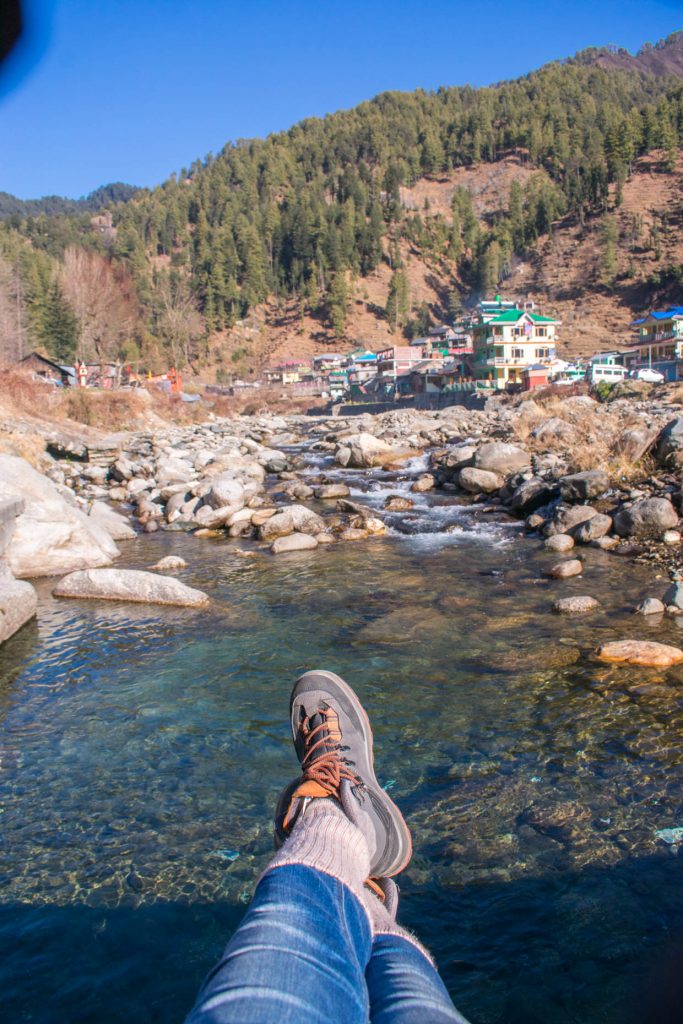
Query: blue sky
point(130, 90)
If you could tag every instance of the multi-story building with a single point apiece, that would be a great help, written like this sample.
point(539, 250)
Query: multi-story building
point(659, 341)
point(506, 339)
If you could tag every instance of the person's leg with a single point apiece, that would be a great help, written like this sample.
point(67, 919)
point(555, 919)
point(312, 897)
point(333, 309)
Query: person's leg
point(404, 986)
point(301, 951)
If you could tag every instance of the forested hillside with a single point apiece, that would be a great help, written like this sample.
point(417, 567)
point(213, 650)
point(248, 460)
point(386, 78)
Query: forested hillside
point(298, 228)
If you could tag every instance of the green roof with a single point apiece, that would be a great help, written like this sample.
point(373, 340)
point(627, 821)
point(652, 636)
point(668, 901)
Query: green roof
point(511, 316)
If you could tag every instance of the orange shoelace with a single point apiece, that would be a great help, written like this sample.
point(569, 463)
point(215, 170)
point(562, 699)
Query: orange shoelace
point(322, 774)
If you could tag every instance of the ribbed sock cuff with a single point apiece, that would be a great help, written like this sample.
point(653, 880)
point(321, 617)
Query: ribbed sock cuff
point(384, 923)
point(323, 838)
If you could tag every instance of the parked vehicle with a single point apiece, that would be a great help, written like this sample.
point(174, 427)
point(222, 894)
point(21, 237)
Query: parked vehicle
point(608, 372)
point(649, 375)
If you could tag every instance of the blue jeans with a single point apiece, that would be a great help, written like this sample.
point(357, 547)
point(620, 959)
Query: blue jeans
point(304, 954)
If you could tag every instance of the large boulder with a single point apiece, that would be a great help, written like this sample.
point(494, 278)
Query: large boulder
point(51, 536)
point(635, 443)
point(502, 458)
point(649, 517)
point(362, 451)
point(554, 431)
point(113, 522)
point(18, 603)
point(669, 444)
point(479, 480)
point(129, 585)
point(584, 486)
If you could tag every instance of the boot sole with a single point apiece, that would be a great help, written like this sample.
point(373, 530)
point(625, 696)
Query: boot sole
point(385, 807)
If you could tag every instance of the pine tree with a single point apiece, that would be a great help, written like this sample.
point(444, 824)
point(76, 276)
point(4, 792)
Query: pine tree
point(59, 329)
point(398, 300)
point(610, 236)
point(337, 304)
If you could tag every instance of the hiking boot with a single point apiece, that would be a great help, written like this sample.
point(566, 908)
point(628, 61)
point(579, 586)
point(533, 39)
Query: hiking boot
point(333, 741)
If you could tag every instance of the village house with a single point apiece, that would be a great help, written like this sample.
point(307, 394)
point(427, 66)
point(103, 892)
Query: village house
point(47, 370)
point(659, 341)
point(506, 339)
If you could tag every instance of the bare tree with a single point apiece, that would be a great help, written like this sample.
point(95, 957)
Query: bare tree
point(102, 299)
point(13, 330)
point(179, 322)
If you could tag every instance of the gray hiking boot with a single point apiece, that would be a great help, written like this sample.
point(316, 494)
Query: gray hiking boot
point(333, 741)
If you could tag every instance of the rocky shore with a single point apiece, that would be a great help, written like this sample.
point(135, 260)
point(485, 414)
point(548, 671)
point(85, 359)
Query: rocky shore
point(578, 473)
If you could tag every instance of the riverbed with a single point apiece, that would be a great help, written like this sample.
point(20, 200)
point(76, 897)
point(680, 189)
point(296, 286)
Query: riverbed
point(142, 751)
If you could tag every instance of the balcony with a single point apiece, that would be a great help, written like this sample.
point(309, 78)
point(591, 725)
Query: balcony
point(525, 361)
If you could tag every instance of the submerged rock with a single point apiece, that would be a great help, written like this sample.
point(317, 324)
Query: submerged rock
point(397, 503)
point(129, 585)
point(577, 605)
point(640, 652)
point(170, 563)
point(563, 570)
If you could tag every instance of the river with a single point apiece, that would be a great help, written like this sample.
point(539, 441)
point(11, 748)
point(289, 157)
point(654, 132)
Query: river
point(142, 751)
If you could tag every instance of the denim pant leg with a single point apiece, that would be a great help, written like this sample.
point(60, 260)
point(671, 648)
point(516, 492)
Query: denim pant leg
point(404, 987)
point(299, 955)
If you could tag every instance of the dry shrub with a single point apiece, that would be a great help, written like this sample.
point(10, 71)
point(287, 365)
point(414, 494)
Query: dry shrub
point(108, 410)
point(21, 393)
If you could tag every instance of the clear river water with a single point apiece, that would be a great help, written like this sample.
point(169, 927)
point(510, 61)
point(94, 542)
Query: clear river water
point(142, 751)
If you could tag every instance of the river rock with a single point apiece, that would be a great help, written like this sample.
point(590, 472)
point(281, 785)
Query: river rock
point(171, 471)
point(293, 542)
point(459, 456)
point(115, 525)
point(225, 490)
point(531, 494)
point(559, 542)
point(326, 491)
point(18, 603)
point(635, 443)
point(364, 451)
point(353, 533)
point(554, 430)
point(592, 529)
point(479, 480)
point(294, 518)
point(669, 444)
point(397, 503)
point(129, 585)
point(674, 594)
point(606, 543)
point(170, 563)
point(566, 517)
point(51, 536)
point(502, 458)
point(671, 537)
point(577, 605)
point(563, 570)
point(583, 486)
point(651, 606)
point(649, 517)
point(640, 652)
point(426, 482)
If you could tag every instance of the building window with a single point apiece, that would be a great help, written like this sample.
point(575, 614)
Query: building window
point(542, 353)
point(540, 332)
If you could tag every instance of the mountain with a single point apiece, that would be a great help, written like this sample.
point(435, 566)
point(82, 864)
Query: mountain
point(663, 58)
point(370, 224)
point(105, 195)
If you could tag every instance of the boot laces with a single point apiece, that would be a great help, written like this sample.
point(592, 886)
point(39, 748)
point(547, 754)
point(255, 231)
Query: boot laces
point(327, 767)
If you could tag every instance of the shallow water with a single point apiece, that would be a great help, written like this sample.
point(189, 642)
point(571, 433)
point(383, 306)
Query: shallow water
point(142, 751)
